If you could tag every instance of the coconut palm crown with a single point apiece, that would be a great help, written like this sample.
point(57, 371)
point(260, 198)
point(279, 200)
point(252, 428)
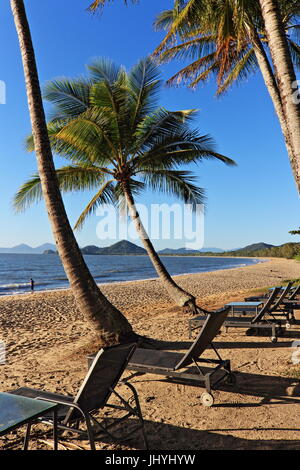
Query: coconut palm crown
point(113, 134)
point(119, 142)
point(218, 38)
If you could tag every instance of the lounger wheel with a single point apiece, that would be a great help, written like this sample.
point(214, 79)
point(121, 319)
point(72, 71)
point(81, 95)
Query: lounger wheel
point(288, 325)
point(207, 399)
point(274, 339)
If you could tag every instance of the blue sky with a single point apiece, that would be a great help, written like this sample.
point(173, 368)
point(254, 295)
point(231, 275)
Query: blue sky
point(255, 201)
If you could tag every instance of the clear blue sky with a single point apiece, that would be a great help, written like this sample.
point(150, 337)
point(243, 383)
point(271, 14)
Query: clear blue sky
point(256, 201)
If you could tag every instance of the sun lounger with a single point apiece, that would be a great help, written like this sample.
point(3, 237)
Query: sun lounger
point(282, 290)
point(281, 307)
point(97, 388)
point(175, 366)
point(264, 319)
point(295, 292)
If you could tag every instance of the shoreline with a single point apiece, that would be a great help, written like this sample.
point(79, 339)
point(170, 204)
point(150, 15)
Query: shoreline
point(203, 284)
point(67, 288)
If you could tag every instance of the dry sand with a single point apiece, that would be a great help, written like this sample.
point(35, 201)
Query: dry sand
point(47, 342)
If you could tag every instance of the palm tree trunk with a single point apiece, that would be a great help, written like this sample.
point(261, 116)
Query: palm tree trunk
point(271, 85)
point(105, 320)
point(180, 296)
point(285, 76)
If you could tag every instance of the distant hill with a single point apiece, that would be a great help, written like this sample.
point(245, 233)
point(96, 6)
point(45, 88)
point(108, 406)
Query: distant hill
point(123, 247)
point(187, 251)
point(287, 250)
point(211, 250)
point(255, 247)
point(177, 251)
point(92, 250)
point(28, 250)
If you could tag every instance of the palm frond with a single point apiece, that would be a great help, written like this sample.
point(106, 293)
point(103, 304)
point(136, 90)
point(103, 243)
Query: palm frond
point(241, 70)
point(193, 7)
point(295, 53)
point(160, 123)
point(181, 148)
point(69, 97)
point(99, 4)
point(94, 130)
point(144, 82)
point(105, 195)
point(193, 48)
point(180, 184)
point(70, 178)
point(191, 73)
point(28, 193)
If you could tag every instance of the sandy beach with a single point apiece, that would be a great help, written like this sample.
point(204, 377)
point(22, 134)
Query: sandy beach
point(47, 342)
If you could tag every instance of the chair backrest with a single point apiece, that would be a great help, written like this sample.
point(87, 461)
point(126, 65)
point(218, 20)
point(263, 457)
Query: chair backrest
point(282, 295)
point(209, 330)
point(103, 375)
point(267, 307)
point(294, 293)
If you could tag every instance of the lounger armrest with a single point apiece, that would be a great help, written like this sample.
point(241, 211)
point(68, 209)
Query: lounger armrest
point(61, 402)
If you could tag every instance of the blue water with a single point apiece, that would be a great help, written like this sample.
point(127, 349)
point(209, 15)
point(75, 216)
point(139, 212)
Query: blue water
point(48, 273)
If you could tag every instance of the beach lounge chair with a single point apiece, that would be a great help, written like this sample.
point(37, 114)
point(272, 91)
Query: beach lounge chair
point(293, 301)
point(282, 290)
point(264, 319)
point(281, 308)
point(97, 388)
point(175, 366)
point(294, 293)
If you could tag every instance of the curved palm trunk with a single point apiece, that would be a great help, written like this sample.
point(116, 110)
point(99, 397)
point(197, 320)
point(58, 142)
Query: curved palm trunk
point(180, 296)
point(106, 321)
point(285, 75)
point(271, 85)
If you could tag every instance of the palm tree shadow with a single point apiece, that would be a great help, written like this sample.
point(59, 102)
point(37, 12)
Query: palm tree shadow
point(166, 436)
point(163, 436)
point(270, 389)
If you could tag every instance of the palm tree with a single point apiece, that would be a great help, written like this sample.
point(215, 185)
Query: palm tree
point(119, 142)
point(227, 39)
point(109, 325)
point(284, 68)
point(99, 4)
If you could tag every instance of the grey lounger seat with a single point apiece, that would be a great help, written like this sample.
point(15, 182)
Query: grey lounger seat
point(174, 366)
point(98, 386)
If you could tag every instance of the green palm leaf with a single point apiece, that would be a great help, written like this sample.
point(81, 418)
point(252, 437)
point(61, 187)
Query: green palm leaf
point(120, 141)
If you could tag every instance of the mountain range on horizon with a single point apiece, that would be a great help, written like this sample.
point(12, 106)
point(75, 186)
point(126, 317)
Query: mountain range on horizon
point(125, 247)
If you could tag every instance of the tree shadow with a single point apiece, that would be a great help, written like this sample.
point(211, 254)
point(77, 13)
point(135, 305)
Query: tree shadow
point(275, 390)
point(164, 436)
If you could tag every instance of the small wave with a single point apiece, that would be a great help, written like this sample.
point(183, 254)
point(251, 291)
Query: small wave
point(14, 286)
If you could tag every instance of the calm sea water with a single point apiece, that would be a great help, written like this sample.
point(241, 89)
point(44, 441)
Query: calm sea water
point(48, 273)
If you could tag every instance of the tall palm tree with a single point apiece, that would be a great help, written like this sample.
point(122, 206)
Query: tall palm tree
point(284, 68)
point(109, 325)
point(227, 39)
point(119, 142)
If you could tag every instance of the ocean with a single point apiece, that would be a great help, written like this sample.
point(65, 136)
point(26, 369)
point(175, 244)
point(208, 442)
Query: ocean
point(16, 271)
